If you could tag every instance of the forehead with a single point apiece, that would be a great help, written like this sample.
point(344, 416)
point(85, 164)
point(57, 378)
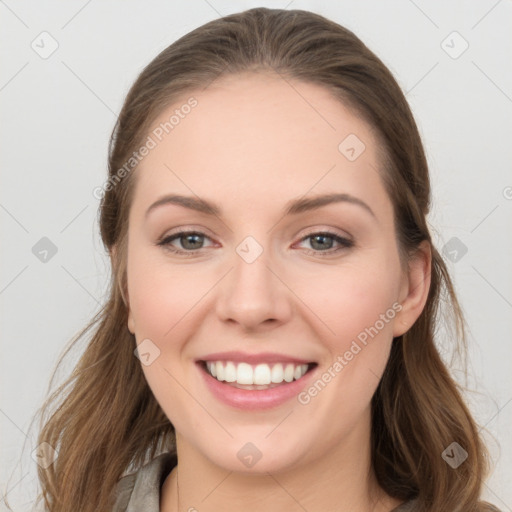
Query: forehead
point(259, 134)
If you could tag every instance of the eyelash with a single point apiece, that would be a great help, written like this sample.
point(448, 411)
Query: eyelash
point(344, 243)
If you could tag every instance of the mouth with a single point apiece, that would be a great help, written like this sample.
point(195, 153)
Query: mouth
point(261, 376)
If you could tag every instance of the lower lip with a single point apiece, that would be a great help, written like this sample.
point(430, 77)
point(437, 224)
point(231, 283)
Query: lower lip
point(253, 399)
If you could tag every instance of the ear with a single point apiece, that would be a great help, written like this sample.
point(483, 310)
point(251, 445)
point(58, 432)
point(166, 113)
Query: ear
point(131, 321)
point(124, 293)
point(414, 289)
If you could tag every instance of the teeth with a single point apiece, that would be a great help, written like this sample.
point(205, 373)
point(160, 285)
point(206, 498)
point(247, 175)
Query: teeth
point(229, 372)
point(260, 374)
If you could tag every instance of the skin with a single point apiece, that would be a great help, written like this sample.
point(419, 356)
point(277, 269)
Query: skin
point(252, 144)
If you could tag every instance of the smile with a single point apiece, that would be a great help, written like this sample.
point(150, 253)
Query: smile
point(238, 393)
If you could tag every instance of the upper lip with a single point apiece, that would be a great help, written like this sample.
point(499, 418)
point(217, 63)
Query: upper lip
point(262, 357)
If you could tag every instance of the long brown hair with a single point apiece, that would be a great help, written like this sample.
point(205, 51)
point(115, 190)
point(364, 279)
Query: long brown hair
point(104, 420)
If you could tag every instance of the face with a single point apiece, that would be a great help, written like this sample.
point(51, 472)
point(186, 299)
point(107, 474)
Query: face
point(269, 275)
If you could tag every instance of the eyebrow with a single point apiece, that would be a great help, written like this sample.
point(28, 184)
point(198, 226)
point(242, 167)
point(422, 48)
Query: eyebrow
point(293, 207)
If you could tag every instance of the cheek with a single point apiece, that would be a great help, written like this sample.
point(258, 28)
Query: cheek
point(160, 294)
point(163, 301)
point(356, 304)
point(351, 298)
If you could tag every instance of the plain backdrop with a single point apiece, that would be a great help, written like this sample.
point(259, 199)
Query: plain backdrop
point(65, 70)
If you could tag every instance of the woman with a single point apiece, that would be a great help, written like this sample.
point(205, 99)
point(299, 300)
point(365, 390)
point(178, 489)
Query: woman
point(274, 295)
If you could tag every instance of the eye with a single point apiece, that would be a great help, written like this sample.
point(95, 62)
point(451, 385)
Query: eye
point(190, 242)
point(322, 243)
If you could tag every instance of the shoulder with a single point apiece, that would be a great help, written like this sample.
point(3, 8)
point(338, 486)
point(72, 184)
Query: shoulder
point(142, 487)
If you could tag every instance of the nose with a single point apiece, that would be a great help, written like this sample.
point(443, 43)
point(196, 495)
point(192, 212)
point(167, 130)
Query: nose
point(253, 294)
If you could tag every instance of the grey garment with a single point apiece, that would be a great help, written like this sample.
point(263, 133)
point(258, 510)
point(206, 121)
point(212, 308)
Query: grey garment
point(409, 506)
point(140, 491)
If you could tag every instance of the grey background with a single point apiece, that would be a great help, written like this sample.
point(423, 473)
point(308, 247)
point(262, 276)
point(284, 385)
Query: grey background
point(58, 113)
